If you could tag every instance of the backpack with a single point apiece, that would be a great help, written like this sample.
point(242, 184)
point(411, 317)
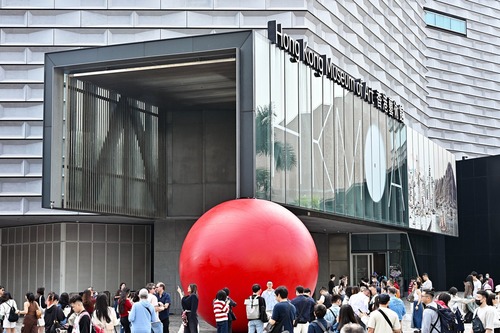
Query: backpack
point(460, 321)
point(252, 307)
point(13, 316)
point(447, 319)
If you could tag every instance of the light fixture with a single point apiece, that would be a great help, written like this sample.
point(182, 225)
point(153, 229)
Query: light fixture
point(148, 68)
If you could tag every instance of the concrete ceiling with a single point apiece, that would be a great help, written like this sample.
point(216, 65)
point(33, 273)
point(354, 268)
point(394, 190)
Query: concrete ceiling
point(200, 83)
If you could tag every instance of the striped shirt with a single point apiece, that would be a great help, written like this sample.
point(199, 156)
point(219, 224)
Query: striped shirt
point(221, 309)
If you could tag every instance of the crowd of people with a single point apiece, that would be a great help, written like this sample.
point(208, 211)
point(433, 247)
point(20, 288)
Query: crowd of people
point(143, 311)
point(372, 306)
point(480, 303)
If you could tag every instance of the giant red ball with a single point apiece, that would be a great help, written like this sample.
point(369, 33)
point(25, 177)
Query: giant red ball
point(242, 242)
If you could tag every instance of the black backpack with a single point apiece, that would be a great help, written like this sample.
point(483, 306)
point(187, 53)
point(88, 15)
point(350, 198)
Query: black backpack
point(460, 321)
point(13, 316)
point(447, 319)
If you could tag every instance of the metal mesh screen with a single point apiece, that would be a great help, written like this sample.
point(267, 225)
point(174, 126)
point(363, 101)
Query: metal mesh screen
point(111, 152)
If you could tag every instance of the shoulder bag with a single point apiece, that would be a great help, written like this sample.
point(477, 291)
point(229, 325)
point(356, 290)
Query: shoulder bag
point(477, 325)
point(156, 326)
point(385, 316)
point(40, 320)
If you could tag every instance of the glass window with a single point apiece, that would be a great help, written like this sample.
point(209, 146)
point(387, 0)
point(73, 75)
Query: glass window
point(290, 149)
point(445, 22)
point(278, 125)
point(262, 120)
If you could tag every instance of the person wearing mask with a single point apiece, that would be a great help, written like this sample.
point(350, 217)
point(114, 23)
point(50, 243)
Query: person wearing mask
point(485, 312)
point(430, 317)
point(54, 315)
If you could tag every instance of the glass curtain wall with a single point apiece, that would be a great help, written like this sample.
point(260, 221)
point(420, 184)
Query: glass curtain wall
point(321, 147)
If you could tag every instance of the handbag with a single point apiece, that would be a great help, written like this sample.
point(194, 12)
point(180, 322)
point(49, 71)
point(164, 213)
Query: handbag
point(184, 318)
point(40, 322)
point(55, 327)
point(477, 325)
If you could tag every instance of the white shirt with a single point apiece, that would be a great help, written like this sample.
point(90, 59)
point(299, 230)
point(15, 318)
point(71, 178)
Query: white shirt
point(153, 299)
point(358, 302)
point(427, 285)
point(270, 298)
point(487, 316)
point(477, 287)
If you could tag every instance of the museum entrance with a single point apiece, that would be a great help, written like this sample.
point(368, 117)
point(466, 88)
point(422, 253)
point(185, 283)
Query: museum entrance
point(152, 140)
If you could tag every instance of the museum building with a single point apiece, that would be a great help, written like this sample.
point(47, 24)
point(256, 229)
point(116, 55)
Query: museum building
point(140, 139)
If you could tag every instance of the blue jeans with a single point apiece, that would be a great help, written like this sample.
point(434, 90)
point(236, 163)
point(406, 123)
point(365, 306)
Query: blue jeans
point(255, 325)
point(222, 326)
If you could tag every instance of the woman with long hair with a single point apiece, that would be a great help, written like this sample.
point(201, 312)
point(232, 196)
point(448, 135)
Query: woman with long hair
point(88, 301)
point(124, 307)
point(190, 308)
point(104, 316)
point(418, 308)
point(29, 312)
point(346, 316)
point(8, 303)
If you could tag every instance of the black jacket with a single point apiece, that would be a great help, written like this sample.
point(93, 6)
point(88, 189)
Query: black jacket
point(53, 313)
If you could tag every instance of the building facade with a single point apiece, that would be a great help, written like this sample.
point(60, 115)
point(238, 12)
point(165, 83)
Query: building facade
point(446, 95)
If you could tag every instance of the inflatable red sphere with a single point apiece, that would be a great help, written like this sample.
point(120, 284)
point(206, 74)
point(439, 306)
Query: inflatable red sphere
point(242, 242)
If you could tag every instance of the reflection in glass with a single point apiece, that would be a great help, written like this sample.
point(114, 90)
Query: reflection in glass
point(349, 146)
point(358, 158)
point(262, 120)
point(277, 128)
point(339, 150)
point(317, 199)
point(291, 129)
point(328, 147)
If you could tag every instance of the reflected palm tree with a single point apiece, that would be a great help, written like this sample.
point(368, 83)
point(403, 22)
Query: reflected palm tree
point(283, 153)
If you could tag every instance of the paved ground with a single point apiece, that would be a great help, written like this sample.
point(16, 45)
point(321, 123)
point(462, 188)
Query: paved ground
point(175, 322)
